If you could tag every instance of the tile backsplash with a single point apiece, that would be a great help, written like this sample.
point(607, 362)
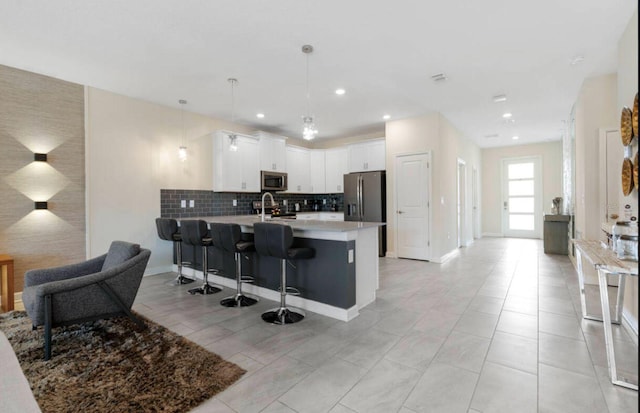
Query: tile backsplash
point(209, 203)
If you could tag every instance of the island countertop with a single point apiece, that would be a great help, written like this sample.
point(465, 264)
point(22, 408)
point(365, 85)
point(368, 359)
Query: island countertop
point(300, 225)
point(339, 280)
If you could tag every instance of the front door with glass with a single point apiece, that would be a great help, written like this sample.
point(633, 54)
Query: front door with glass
point(522, 200)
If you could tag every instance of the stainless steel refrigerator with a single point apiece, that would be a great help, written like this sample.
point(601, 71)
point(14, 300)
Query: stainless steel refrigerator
point(365, 199)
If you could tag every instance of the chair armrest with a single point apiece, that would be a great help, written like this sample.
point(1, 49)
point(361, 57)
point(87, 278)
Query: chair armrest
point(65, 272)
point(74, 283)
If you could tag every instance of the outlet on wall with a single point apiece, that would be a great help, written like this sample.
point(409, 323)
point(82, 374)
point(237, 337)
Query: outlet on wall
point(305, 202)
point(324, 202)
point(192, 203)
point(235, 202)
point(183, 203)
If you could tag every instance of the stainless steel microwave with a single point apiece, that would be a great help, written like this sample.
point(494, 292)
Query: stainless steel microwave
point(273, 181)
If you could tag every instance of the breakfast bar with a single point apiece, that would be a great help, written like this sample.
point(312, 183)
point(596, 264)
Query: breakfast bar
point(341, 279)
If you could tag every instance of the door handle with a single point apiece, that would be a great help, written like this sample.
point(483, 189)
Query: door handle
point(400, 212)
point(506, 205)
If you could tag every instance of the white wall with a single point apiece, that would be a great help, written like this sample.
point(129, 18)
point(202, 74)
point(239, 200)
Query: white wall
point(435, 134)
point(551, 157)
point(131, 153)
point(627, 88)
point(595, 108)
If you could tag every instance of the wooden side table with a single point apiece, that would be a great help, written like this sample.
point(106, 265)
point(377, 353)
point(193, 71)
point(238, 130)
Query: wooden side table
point(6, 284)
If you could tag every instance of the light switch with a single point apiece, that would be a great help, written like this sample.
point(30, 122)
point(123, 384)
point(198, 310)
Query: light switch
point(183, 203)
point(192, 203)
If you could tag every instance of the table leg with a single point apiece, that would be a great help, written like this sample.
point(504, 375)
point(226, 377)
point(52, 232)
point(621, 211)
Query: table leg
point(583, 301)
point(608, 334)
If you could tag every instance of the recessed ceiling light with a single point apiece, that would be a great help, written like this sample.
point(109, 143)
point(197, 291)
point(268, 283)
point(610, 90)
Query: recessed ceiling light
point(386, 117)
point(507, 115)
point(340, 91)
point(260, 115)
point(440, 77)
point(515, 138)
point(576, 60)
point(499, 98)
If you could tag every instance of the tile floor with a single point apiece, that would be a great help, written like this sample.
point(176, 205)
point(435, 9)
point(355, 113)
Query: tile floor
point(495, 329)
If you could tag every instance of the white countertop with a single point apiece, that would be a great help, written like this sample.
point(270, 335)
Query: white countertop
point(301, 225)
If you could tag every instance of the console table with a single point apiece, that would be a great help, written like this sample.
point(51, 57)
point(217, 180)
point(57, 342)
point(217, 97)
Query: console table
point(6, 263)
point(606, 263)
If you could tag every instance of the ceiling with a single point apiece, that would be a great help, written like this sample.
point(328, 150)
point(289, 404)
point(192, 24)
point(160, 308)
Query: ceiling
point(382, 53)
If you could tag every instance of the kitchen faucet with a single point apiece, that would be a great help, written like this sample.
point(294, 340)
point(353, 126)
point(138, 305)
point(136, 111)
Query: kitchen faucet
point(272, 202)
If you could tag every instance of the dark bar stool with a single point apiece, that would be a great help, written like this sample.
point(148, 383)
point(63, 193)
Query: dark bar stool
point(228, 237)
point(275, 240)
point(196, 233)
point(168, 231)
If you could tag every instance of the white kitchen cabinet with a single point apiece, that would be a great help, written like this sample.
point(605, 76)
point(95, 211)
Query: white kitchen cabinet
point(317, 171)
point(235, 171)
point(272, 152)
point(298, 171)
point(367, 156)
point(336, 165)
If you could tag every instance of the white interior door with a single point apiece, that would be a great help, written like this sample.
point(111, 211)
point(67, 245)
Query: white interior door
point(462, 185)
point(522, 200)
point(413, 193)
point(474, 195)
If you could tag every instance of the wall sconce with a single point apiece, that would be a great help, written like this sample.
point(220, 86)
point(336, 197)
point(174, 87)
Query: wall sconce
point(41, 205)
point(40, 157)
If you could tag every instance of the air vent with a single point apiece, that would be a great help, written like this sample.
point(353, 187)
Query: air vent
point(440, 77)
point(491, 136)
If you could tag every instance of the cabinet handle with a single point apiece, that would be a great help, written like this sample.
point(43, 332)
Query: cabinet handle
point(339, 188)
point(244, 185)
point(273, 165)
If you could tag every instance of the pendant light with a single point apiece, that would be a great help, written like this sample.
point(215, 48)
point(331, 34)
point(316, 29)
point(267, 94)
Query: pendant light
point(182, 151)
point(233, 139)
point(309, 130)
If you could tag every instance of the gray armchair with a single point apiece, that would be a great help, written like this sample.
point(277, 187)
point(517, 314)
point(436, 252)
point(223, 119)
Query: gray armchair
point(102, 287)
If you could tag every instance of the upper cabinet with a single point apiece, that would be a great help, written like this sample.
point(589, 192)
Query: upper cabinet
point(272, 152)
point(367, 156)
point(235, 170)
point(298, 171)
point(317, 171)
point(336, 165)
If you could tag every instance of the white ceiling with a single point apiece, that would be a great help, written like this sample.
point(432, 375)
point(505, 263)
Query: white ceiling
point(382, 52)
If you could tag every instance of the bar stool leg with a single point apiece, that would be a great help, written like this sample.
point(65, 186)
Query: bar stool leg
point(283, 315)
point(239, 299)
point(206, 289)
point(180, 279)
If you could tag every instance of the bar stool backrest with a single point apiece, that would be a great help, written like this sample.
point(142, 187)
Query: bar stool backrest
point(166, 227)
point(226, 236)
point(273, 239)
point(193, 231)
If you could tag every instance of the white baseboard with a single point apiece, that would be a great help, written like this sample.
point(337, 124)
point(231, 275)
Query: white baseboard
point(445, 257)
point(493, 234)
point(160, 270)
point(391, 254)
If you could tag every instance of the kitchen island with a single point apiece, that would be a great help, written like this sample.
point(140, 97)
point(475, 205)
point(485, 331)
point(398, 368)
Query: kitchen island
point(341, 279)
